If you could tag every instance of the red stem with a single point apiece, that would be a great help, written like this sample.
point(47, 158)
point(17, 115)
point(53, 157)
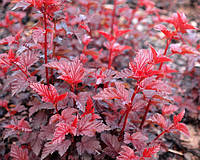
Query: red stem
point(122, 117)
point(162, 133)
point(45, 43)
point(125, 120)
point(135, 92)
point(112, 32)
point(55, 105)
point(165, 52)
point(145, 114)
point(110, 59)
point(129, 107)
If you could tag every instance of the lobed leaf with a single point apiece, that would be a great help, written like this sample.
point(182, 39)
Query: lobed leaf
point(179, 117)
point(88, 144)
point(89, 127)
point(127, 154)
point(149, 152)
point(112, 143)
point(48, 94)
point(17, 153)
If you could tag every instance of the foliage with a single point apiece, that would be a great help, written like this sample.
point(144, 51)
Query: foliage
point(82, 83)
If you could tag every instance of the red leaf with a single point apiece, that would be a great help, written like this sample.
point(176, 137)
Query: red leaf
point(182, 128)
point(158, 58)
point(38, 34)
point(21, 4)
point(62, 129)
point(48, 94)
point(8, 59)
point(114, 93)
point(103, 75)
point(168, 34)
point(107, 35)
point(86, 39)
point(89, 107)
point(71, 72)
point(92, 53)
point(183, 49)
point(167, 110)
point(159, 120)
point(116, 47)
point(125, 73)
point(142, 67)
point(89, 127)
point(149, 152)
point(4, 103)
point(84, 26)
point(66, 116)
point(17, 153)
point(179, 117)
point(127, 154)
point(27, 59)
point(151, 83)
point(119, 33)
point(180, 22)
point(20, 125)
point(137, 139)
point(8, 40)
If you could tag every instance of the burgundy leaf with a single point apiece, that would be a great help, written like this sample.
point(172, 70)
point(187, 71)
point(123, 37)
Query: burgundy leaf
point(21, 125)
point(66, 116)
point(113, 144)
point(167, 110)
point(81, 100)
point(49, 148)
point(38, 34)
point(38, 105)
point(62, 148)
point(114, 93)
point(151, 83)
point(103, 75)
point(18, 82)
point(88, 144)
point(17, 153)
point(127, 154)
point(89, 127)
point(137, 139)
point(27, 59)
point(37, 145)
point(159, 120)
